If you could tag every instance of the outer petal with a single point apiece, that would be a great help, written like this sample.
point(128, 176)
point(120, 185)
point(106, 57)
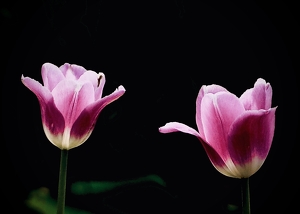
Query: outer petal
point(52, 119)
point(218, 113)
point(51, 75)
point(250, 140)
point(212, 154)
point(204, 90)
point(217, 160)
point(85, 123)
point(71, 98)
point(175, 127)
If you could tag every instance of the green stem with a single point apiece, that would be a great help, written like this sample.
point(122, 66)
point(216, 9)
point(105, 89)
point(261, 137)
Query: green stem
point(245, 196)
point(62, 182)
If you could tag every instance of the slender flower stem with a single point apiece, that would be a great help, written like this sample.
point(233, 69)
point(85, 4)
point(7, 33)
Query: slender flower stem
point(245, 196)
point(62, 182)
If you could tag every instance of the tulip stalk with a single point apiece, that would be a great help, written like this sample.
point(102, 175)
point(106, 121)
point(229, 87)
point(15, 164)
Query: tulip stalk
point(62, 182)
point(245, 196)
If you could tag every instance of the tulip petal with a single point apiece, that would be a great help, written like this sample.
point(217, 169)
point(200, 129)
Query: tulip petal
point(217, 160)
point(218, 113)
point(52, 119)
point(246, 99)
point(43, 94)
point(175, 127)
point(51, 75)
point(71, 98)
point(98, 81)
point(101, 83)
point(89, 76)
point(212, 154)
point(250, 140)
point(262, 94)
point(85, 123)
point(259, 97)
point(72, 72)
point(204, 90)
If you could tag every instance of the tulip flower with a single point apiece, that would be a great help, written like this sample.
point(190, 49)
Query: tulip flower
point(70, 101)
point(236, 132)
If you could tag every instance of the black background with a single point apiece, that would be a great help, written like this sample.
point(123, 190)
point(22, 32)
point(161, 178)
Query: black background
point(162, 52)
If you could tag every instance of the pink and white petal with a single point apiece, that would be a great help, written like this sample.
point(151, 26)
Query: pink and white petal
point(228, 108)
point(262, 95)
point(178, 127)
point(205, 90)
point(85, 123)
point(71, 98)
point(98, 81)
point(246, 99)
point(52, 119)
point(101, 83)
point(216, 159)
point(84, 96)
point(250, 138)
point(72, 72)
point(63, 95)
point(51, 75)
point(213, 128)
point(43, 94)
point(53, 123)
point(248, 169)
point(77, 70)
point(89, 76)
point(64, 68)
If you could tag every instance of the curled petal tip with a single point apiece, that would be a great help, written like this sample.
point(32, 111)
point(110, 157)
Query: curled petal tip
point(121, 88)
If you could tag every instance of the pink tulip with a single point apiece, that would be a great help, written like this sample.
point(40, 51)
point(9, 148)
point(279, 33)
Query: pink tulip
point(236, 132)
point(70, 102)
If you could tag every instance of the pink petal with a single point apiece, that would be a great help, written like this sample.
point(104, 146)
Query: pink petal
point(51, 75)
point(89, 76)
point(64, 68)
point(43, 94)
point(218, 113)
point(175, 127)
point(98, 81)
point(101, 83)
point(250, 139)
point(71, 98)
point(259, 97)
point(262, 94)
point(85, 123)
point(53, 121)
point(204, 90)
point(212, 154)
point(77, 70)
point(217, 160)
point(72, 72)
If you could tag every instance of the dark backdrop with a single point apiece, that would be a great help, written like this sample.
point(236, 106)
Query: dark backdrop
point(162, 52)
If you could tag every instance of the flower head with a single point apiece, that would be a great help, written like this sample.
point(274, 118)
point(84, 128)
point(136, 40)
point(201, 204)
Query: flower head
point(70, 102)
point(236, 132)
